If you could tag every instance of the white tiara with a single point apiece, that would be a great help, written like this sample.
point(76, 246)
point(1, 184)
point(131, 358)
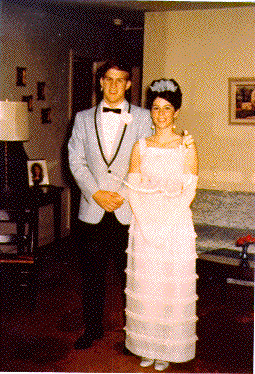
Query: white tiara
point(163, 85)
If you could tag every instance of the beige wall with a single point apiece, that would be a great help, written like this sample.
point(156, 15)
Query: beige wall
point(26, 45)
point(201, 49)
point(39, 36)
point(20, 50)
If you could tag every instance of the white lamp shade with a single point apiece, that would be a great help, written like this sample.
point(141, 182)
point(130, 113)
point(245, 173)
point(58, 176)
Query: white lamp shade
point(13, 121)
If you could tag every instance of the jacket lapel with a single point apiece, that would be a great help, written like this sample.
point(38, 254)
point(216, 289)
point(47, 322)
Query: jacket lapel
point(99, 134)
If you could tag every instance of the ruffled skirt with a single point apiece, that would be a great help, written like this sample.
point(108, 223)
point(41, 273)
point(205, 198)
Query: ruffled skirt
point(161, 292)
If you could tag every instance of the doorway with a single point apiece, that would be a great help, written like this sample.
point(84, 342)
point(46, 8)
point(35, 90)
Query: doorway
point(80, 89)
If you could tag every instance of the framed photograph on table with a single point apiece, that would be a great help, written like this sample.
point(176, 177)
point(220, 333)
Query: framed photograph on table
point(37, 173)
point(241, 101)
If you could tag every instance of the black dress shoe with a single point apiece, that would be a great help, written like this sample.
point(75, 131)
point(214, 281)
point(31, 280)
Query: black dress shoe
point(83, 343)
point(86, 340)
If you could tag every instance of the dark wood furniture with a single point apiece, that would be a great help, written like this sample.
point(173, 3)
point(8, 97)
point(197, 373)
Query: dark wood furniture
point(225, 281)
point(24, 206)
point(17, 270)
point(21, 240)
point(42, 196)
point(225, 308)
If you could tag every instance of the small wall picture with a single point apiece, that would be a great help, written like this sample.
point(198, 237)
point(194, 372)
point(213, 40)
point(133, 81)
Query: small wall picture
point(41, 90)
point(242, 101)
point(21, 76)
point(29, 101)
point(45, 115)
point(37, 173)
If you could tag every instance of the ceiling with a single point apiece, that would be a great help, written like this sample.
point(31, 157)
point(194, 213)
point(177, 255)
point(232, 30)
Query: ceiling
point(156, 5)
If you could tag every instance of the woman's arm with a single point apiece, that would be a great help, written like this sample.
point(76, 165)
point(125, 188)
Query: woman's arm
point(135, 160)
point(191, 161)
point(189, 176)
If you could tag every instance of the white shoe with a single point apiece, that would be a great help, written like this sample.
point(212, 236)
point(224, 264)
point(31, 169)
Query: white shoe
point(161, 365)
point(146, 362)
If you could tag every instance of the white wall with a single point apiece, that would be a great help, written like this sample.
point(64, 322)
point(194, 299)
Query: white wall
point(201, 49)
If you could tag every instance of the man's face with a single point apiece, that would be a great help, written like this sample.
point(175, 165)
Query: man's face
point(114, 85)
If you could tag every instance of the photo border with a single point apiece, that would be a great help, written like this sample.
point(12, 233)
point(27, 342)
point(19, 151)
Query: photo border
point(43, 164)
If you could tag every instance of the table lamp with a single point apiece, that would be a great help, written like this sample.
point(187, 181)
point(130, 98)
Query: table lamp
point(14, 130)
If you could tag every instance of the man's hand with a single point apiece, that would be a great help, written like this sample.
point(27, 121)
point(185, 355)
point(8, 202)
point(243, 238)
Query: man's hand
point(108, 200)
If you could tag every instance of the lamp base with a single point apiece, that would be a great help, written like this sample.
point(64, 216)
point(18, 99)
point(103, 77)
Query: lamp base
point(13, 166)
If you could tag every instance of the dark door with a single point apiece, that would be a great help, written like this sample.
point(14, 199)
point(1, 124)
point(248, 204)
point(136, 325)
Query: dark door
point(81, 82)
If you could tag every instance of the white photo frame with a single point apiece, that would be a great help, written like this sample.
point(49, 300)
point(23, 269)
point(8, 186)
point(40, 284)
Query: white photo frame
point(37, 172)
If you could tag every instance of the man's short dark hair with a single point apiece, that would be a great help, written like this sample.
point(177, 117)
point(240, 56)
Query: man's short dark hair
point(114, 64)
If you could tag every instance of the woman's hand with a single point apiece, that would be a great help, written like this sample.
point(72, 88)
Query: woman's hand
point(187, 139)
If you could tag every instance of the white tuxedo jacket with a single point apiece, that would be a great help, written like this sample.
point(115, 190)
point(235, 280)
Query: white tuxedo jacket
point(89, 165)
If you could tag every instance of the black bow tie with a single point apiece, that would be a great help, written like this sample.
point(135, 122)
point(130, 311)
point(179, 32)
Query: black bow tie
point(118, 111)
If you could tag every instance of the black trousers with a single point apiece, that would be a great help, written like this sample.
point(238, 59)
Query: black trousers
point(97, 244)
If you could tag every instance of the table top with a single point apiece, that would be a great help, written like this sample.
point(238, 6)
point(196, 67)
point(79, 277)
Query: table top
point(227, 257)
point(25, 197)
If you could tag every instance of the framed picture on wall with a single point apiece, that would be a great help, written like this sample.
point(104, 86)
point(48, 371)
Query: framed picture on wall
point(241, 101)
point(21, 76)
point(29, 101)
point(37, 172)
point(41, 90)
point(45, 115)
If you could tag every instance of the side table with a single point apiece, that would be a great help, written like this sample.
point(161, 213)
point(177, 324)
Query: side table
point(39, 197)
point(223, 281)
point(27, 202)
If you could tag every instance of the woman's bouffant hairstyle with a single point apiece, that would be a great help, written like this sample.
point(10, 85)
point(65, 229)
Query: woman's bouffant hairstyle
point(167, 89)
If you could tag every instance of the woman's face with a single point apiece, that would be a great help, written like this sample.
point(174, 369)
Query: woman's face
point(37, 171)
point(163, 113)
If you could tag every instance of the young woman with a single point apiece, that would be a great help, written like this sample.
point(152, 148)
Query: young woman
point(161, 279)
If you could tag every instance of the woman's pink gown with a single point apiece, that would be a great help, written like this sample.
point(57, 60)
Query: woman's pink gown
point(161, 279)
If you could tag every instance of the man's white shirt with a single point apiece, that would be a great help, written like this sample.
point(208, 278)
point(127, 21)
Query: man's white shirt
point(111, 125)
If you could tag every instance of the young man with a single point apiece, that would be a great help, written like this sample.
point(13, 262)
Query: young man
point(99, 153)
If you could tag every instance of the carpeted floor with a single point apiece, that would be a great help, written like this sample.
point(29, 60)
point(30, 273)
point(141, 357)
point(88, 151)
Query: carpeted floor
point(39, 337)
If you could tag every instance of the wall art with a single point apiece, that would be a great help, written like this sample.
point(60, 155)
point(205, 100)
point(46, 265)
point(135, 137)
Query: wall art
point(21, 76)
point(29, 101)
point(241, 101)
point(37, 172)
point(45, 115)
